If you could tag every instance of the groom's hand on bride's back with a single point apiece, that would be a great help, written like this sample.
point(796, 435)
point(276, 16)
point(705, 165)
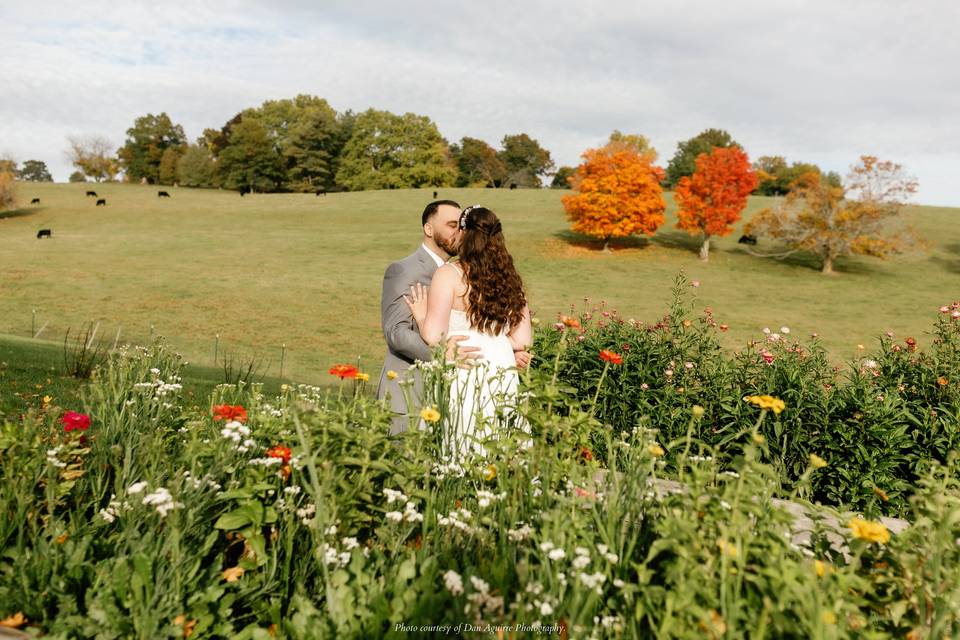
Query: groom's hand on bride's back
point(462, 354)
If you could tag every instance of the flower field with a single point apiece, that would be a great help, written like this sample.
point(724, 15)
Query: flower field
point(132, 515)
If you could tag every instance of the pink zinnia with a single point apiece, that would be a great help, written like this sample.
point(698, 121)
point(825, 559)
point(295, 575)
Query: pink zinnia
point(767, 357)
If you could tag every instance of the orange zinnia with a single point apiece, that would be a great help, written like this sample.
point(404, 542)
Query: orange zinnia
point(279, 451)
point(611, 357)
point(573, 323)
point(229, 412)
point(344, 371)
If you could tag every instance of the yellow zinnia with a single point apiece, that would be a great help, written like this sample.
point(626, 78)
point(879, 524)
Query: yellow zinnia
point(430, 414)
point(490, 472)
point(817, 462)
point(869, 530)
point(363, 377)
point(391, 375)
point(656, 450)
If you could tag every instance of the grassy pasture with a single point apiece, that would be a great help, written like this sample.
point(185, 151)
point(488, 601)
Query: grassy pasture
point(304, 271)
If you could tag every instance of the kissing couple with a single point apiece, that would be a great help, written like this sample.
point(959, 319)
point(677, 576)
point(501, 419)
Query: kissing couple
point(475, 306)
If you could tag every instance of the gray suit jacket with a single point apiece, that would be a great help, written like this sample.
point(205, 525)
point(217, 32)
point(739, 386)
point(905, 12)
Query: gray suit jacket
point(404, 344)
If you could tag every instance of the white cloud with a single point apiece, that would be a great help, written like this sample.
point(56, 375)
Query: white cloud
point(816, 81)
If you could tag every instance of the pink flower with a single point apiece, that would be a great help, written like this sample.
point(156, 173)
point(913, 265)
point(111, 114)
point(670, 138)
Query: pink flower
point(694, 283)
point(767, 357)
point(73, 421)
point(644, 386)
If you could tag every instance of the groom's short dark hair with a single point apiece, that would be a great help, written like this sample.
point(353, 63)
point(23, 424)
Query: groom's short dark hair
point(431, 209)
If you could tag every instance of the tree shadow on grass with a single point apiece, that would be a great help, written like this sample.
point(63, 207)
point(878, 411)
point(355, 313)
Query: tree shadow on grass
point(587, 242)
point(948, 264)
point(18, 213)
point(809, 261)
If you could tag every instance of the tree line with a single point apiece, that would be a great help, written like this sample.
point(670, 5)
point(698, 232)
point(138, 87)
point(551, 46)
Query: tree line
point(302, 144)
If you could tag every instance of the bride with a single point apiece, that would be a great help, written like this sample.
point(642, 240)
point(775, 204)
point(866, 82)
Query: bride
point(480, 296)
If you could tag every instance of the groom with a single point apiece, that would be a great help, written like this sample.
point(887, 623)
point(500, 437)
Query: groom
point(441, 240)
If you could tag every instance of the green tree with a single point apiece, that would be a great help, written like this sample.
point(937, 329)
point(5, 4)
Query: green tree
point(92, 156)
point(639, 142)
point(525, 160)
point(561, 179)
point(777, 177)
point(195, 168)
point(388, 151)
point(477, 164)
point(168, 164)
point(147, 139)
point(684, 161)
point(250, 159)
point(35, 171)
point(77, 176)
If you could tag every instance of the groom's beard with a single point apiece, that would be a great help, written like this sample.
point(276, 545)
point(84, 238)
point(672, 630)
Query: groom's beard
point(449, 246)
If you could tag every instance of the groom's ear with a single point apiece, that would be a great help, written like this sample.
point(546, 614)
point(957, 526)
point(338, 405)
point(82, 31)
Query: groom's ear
point(428, 230)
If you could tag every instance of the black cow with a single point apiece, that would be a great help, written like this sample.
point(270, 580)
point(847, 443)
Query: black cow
point(91, 193)
point(321, 192)
point(35, 201)
point(434, 195)
point(163, 194)
point(513, 185)
point(747, 239)
point(102, 202)
point(44, 233)
point(244, 191)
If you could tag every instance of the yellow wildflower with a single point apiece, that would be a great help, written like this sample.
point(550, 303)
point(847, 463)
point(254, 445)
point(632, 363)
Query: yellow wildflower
point(391, 375)
point(880, 493)
point(759, 438)
point(869, 530)
point(698, 411)
point(430, 414)
point(821, 567)
point(727, 549)
point(233, 574)
point(817, 462)
point(656, 450)
point(47, 399)
point(489, 472)
point(363, 377)
point(768, 402)
point(828, 618)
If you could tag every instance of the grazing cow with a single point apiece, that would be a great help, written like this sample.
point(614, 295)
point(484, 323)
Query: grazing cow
point(163, 194)
point(244, 191)
point(102, 202)
point(321, 192)
point(35, 201)
point(91, 193)
point(434, 195)
point(513, 185)
point(44, 233)
point(747, 239)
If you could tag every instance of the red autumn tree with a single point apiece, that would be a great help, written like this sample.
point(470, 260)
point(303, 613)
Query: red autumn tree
point(711, 200)
point(618, 194)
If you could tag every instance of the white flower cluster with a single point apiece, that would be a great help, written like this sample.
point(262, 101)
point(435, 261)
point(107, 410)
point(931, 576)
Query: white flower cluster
point(608, 622)
point(535, 481)
point(53, 459)
point(486, 605)
point(593, 581)
point(266, 462)
point(458, 519)
point(521, 533)
point(395, 496)
point(160, 388)
point(453, 582)
point(199, 483)
point(553, 552)
point(612, 558)
point(292, 490)
point(333, 558)
point(453, 469)
point(238, 433)
point(159, 499)
point(484, 498)
point(270, 410)
point(114, 508)
point(409, 514)
point(540, 603)
point(306, 513)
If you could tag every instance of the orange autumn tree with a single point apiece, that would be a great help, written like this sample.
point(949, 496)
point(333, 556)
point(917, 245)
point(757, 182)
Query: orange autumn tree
point(863, 217)
point(618, 194)
point(710, 200)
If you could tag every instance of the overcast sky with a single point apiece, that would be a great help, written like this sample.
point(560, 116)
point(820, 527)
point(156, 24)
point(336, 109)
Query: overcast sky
point(818, 81)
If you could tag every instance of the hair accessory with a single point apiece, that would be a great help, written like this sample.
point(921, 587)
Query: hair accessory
point(466, 212)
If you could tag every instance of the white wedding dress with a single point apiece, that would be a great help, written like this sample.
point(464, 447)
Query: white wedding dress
point(483, 398)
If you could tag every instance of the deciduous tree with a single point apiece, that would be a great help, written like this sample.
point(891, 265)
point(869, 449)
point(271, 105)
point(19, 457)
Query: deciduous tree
point(8, 195)
point(478, 164)
point(147, 140)
point(618, 195)
point(710, 201)
point(831, 221)
point(93, 156)
point(35, 171)
point(684, 161)
point(526, 161)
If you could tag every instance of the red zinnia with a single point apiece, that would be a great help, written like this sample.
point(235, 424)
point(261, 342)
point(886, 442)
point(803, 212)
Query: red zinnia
point(229, 412)
point(73, 421)
point(279, 451)
point(586, 454)
point(611, 357)
point(344, 371)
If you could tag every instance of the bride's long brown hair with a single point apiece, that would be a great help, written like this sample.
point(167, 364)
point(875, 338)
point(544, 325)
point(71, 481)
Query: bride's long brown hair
point(495, 296)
